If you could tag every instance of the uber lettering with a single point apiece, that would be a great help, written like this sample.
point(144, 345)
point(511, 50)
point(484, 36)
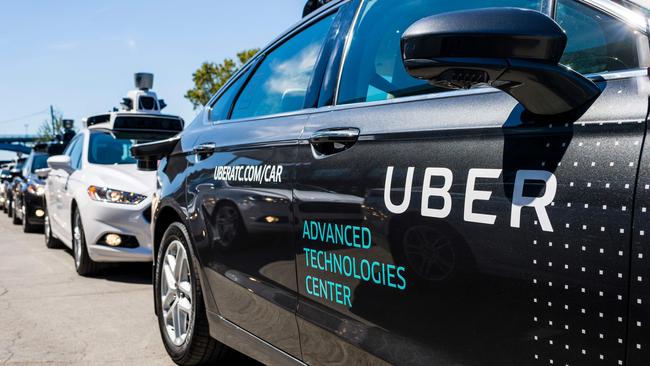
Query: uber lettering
point(519, 200)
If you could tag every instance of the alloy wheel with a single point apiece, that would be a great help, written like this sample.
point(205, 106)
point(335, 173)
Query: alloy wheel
point(76, 236)
point(176, 293)
point(46, 227)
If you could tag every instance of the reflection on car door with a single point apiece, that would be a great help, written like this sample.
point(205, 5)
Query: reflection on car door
point(239, 190)
point(447, 229)
point(57, 195)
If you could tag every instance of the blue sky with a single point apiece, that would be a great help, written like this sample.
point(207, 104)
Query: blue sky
point(80, 56)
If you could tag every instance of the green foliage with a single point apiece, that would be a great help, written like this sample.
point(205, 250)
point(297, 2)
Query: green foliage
point(211, 76)
point(50, 129)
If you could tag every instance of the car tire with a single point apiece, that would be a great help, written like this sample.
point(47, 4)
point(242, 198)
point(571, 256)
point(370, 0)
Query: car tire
point(187, 342)
point(50, 241)
point(10, 209)
point(84, 265)
point(27, 227)
point(15, 220)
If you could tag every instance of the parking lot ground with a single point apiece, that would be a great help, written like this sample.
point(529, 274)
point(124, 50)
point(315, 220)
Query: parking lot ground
point(50, 315)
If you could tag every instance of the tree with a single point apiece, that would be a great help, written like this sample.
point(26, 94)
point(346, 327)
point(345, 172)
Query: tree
point(50, 129)
point(211, 76)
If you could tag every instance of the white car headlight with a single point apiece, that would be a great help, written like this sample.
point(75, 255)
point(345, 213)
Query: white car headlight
point(37, 189)
point(103, 194)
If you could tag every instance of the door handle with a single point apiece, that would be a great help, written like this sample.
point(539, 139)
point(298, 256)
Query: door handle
point(204, 149)
point(338, 135)
point(333, 141)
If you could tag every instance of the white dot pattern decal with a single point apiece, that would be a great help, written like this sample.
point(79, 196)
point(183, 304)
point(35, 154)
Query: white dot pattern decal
point(579, 287)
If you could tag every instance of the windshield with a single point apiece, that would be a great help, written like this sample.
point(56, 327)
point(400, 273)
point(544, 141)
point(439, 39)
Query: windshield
point(40, 162)
point(105, 149)
point(19, 164)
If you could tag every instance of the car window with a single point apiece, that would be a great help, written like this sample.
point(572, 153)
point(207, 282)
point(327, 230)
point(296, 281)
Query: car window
point(75, 153)
point(71, 145)
point(221, 107)
point(280, 82)
point(40, 162)
point(373, 68)
point(104, 148)
point(596, 42)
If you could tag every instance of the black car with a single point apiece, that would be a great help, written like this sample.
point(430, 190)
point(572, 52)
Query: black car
point(28, 190)
point(10, 183)
point(417, 182)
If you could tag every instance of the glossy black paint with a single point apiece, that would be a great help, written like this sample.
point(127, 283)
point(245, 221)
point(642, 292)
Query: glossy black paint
point(476, 293)
point(22, 197)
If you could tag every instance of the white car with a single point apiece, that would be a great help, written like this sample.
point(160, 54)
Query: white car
point(98, 203)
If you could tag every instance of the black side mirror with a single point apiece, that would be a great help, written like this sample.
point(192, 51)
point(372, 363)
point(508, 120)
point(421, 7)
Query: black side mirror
point(514, 50)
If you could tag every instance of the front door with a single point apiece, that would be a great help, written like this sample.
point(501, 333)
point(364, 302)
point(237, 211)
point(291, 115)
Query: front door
point(446, 229)
point(240, 188)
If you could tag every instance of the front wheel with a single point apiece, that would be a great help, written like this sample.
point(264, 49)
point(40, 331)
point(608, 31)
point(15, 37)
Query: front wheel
point(84, 265)
point(178, 299)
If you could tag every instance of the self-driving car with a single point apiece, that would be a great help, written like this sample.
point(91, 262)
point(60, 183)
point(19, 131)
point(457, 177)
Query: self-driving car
point(14, 178)
point(465, 182)
point(98, 203)
point(5, 175)
point(28, 207)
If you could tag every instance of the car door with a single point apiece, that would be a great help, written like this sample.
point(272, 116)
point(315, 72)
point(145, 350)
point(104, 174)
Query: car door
point(239, 183)
point(56, 185)
point(444, 228)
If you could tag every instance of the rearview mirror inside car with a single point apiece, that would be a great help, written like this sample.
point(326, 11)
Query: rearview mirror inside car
point(514, 50)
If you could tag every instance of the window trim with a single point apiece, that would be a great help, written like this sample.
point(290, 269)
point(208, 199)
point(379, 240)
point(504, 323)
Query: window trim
point(619, 12)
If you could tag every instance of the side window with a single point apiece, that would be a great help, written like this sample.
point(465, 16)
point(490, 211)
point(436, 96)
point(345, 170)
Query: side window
point(76, 152)
point(596, 41)
point(221, 107)
point(373, 68)
point(71, 146)
point(280, 82)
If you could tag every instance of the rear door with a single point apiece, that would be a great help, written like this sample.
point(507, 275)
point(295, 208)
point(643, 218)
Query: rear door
point(239, 186)
point(442, 228)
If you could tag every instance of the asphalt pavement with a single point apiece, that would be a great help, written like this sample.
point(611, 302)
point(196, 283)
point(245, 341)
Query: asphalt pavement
point(50, 315)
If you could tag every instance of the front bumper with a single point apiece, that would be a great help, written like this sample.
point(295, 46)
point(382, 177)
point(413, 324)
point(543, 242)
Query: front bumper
point(100, 219)
point(33, 203)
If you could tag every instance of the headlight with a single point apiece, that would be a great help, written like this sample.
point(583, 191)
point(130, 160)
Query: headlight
point(36, 189)
point(114, 196)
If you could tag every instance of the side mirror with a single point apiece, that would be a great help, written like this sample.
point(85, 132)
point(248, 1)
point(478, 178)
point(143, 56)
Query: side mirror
point(43, 173)
point(514, 50)
point(61, 162)
point(148, 154)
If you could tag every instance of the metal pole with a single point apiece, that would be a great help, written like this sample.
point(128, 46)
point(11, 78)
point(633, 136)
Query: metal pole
point(52, 119)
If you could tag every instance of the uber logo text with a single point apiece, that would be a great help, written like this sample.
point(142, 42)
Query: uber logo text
point(472, 194)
